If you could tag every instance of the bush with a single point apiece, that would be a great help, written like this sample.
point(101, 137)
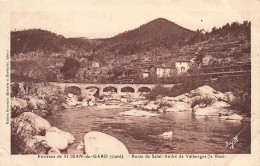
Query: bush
point(202, 100)
point(189, 83)
point(157, 91)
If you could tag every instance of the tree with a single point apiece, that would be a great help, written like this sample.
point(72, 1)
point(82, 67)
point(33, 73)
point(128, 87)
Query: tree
point(70, 68)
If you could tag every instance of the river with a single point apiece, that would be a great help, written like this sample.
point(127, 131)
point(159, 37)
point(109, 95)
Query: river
point(191, 134)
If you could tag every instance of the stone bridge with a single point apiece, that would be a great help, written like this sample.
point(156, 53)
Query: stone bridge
point(118, 88)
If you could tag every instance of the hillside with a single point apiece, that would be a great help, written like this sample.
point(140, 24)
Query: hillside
point(37, 39)
point(157, 29)
point(157, 43)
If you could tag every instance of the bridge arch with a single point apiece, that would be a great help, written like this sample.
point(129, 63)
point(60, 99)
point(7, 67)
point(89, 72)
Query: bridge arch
point(110, 89)
point(128, 89)
point(73, 90)
point(93, 90)
point(144, 89)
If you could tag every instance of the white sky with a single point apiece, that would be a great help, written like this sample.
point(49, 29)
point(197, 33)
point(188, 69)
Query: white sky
point(106, 18)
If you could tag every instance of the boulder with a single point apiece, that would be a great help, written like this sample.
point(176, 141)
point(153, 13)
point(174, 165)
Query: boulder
point(203, 90)
point(91, 103)
point(216, 109)
point(100, 143)
point(137, 113)
point(56, 140)
point(37, 122)
point(124, 100)
point(65, 134)
point(179, 107)
point(89, 98)
point(150, 107)
point(167, 134)
point(84, 103)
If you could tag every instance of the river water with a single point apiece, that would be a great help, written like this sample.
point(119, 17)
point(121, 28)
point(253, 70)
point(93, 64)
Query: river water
point(191, 134)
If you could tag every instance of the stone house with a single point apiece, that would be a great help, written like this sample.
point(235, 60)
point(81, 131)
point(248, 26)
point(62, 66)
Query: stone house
point(95, 64)
point(164, 71)
point(182, 66)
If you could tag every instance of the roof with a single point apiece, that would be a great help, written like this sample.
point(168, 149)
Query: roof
point(182, 60)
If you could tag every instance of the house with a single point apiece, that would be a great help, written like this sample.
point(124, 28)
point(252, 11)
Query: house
point(95, 64)
point(182, 66)
point(146, 73)
point(164, 71)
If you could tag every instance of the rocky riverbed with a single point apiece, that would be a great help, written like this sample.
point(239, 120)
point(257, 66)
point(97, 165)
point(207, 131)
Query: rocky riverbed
point(162, 125)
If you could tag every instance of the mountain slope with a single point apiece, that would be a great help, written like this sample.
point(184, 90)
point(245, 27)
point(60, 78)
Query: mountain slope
point(37, 39)
point(157, 29)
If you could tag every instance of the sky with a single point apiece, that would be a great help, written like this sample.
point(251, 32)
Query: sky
point(106, 18)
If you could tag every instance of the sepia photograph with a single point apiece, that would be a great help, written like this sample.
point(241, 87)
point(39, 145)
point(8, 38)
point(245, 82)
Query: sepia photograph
point(127, 78)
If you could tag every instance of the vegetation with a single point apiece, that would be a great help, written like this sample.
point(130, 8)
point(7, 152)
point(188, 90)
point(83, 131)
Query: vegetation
point(22, 141)
point(70, 68)
point(188, 84)
point(153, 40)
point(53, 96)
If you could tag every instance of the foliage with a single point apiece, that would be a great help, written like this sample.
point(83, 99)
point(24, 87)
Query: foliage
point(70, 68)
point(22, 141)
point(242, 103)
point(52, 95)
point(188, 84)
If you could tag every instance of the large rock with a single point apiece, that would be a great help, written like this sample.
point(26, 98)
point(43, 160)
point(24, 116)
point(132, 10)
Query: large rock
point(100, 143)
point(207, 91)
point(150, 107)
point(179, 107)
point(137, 113)
point(216, 109)
point(56, 140)
point(91, 103)
point(65, 134)
point(203, 90)
point(37, 122)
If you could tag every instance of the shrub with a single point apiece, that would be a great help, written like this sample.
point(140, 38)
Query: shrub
point(157, 91)
point(202, 100)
